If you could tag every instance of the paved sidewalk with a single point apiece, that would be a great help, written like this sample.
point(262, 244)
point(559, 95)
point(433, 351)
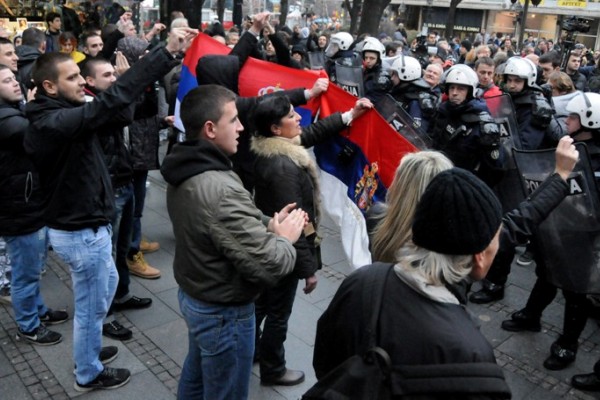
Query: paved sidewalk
point(159, 344)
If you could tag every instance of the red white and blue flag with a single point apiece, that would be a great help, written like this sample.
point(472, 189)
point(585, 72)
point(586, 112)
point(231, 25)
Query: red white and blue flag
point(356, 167)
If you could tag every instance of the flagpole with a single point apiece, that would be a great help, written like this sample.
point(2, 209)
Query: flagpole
point(521, 37)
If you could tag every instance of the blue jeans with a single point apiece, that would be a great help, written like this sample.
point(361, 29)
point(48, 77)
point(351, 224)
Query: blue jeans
point(94, 276)
point(28, 254)
point(221, 348)
point(122, 225)
point(139, 190)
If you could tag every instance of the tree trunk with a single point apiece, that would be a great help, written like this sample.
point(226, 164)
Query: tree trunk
point(371, 16)
point(353, 10)
point(192, 9)
point(220, 9)
point(451, 17)
point(284, 12)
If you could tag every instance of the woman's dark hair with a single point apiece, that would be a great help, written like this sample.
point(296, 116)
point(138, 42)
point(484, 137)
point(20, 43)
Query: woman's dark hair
point(270, 111)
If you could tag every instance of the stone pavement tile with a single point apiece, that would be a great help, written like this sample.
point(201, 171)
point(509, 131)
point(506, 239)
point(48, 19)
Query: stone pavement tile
point(489, 322)
point(57, 294)
point(524, 277)
point(259, 392)
point(331, 250)
point(143, 386)
point(156, 315)
point(323, 304)
point(520, 387)
point(326, 287)
point(304, 322)
point(12, 388)
point(172, 338)
point(342, 268)
point(515, 297)
point(169, 297)
point(152, 218)
point(528, 347)
point(164, 262)
point(6, 364)
point(163, 234)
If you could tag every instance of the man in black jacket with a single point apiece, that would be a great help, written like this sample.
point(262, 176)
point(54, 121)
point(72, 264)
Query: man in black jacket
point(99, 75)
point(21, 222)
point(63, 139)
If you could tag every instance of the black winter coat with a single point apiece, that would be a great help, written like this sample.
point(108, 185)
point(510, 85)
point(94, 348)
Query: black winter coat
point(63, 142)
point(284, 173)
point(144, 140)
point(20, 194)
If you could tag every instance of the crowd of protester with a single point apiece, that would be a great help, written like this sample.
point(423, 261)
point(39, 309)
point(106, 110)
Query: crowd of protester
point(81, 116)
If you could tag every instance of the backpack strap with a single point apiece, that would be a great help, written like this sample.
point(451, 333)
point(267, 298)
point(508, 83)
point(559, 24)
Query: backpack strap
point(372, 295)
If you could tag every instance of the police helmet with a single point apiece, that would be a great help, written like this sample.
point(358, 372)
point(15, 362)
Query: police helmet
point(407, 68)
point(587, 106)
point(524, 68)
point(339, 41)
point(461, 74)
point(373, 45)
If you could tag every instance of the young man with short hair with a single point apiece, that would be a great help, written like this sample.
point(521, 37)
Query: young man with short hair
point(63, 141)
point(54, 22)
point(226, 250)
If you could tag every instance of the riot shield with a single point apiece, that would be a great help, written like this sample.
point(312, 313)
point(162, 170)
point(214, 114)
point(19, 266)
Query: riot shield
point(316, 59)
point(350, 79)
point(503, 112)
point(402, 122)
point(569, 239)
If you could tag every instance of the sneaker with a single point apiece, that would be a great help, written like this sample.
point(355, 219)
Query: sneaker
point(133, 303)
point(110, 378)
point(41, 336)
point(139, 267)
point(107, 354)
point(54, 317)
point(525, 259)
point(149, 247)
point(5, 296)
point(115, 330)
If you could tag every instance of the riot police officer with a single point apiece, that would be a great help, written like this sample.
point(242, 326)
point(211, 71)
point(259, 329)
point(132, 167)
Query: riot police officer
point(376, 80)
point(533, 111)
point(463, 128)
point(583, 125)
point(339, 51)
point(412, 92)
point(534, 115)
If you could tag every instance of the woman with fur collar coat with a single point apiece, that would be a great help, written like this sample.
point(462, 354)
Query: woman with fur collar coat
point(285, 172)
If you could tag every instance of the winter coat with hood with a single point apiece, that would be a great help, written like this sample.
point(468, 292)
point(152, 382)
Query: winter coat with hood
point(63, 141)
point(27, 56)
point(223, 252)
point(21, 203)
point(224, 71)
point(285, 173)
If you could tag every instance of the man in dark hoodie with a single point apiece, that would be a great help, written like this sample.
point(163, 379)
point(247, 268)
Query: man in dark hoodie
point(33, 46)
point(99, 75)
point(63, 141)
point(21, 222)
point(226, 250)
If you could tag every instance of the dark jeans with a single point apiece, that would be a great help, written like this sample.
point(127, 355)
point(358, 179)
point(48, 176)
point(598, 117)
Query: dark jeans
point(121, 238)
point(274, 306)
point(139, 194)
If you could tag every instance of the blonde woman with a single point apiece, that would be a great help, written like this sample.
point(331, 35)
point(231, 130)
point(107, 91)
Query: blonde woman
point(412, 177)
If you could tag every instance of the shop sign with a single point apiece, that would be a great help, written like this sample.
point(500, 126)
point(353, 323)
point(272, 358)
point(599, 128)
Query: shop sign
point(572, 3)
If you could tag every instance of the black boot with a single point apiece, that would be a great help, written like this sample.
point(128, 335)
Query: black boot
point(561, 356)
point(586, 382)
point(522, 321)
point(488, 293)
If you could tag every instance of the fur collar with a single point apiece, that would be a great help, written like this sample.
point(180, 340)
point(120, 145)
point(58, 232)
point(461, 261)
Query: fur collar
point(291, 148)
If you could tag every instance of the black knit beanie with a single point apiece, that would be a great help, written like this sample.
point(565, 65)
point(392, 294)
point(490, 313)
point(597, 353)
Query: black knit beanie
point(457, 214)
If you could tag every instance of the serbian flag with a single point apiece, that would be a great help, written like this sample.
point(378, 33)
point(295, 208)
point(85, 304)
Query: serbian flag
point(356, 166)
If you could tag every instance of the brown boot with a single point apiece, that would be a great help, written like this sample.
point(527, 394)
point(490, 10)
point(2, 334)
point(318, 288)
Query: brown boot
point(139, 267)
point(149, 247)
